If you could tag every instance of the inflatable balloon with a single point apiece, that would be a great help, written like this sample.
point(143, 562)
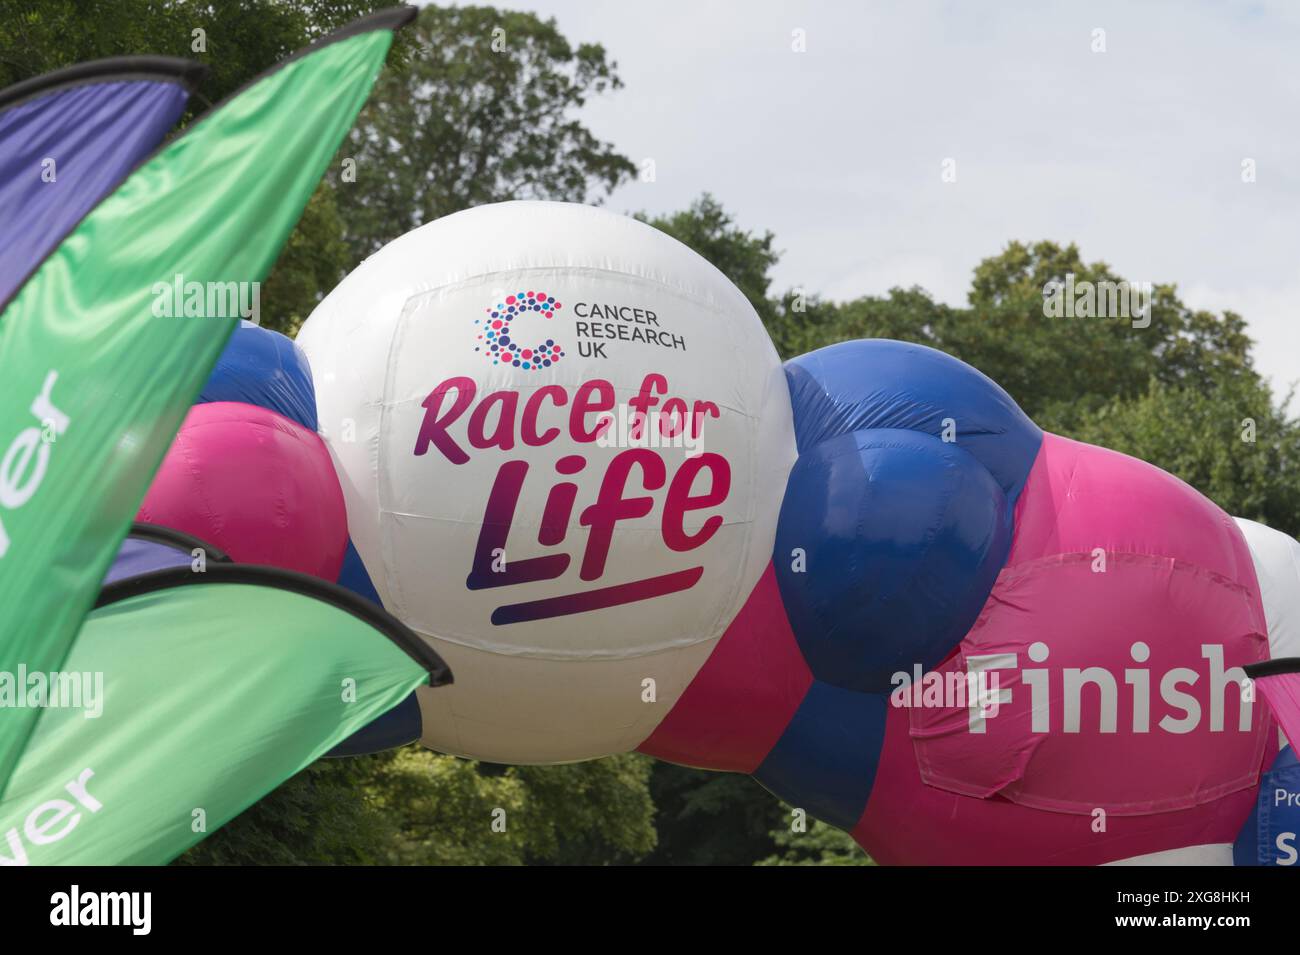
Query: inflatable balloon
point(477, 382)
point(254, 484)
point(264, 368)
point(575, 466)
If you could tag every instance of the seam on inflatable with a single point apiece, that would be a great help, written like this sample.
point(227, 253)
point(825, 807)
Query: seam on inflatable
point(577, 272)
point(391, 583)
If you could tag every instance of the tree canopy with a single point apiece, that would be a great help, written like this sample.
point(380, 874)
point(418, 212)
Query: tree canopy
point(484, 112)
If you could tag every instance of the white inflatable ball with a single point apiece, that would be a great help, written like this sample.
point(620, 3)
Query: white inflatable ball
point(563, 438)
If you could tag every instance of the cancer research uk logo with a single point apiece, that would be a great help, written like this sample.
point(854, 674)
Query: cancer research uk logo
point(499, 346)
point(599, 325)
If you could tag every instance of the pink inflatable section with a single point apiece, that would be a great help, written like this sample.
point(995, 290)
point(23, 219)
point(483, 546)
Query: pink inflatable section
point(741, 701)
point(1119, 727)
point(255, 484)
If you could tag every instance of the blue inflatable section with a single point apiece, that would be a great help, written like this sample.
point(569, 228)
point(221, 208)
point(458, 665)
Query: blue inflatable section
point(1271, 836)
point(264, 368)
point(897, 518)
point(902, 536)
point(825, 761)
point(878, 383)
point(898, 513)
point(353, 576)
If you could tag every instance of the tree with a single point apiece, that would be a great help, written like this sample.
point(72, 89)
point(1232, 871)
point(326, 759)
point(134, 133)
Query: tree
point(1059, 368)
point(313, 260)
point(321, 816)
point(236, 39)
point(708, 818)
point(1181, 393)
point(744, 257)
point(795, 322)
point(484, 114)
point(820, 844)
point(414, 807)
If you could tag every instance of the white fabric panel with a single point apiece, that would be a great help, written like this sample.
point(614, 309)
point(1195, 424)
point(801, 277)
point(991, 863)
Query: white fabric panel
point(556, 713)
point(1277, 567)
point(1215, 854)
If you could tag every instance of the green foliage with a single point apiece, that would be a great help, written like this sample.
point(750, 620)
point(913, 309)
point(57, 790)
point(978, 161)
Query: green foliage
point(1059, 368)
point(706, 818)
point(241, 38)
point(820, 844)
point(312, 262)
point(413, 807)
point(483, 114)
point(440, 810)
point(743, 257)
point(322, 816)
point(592, 813)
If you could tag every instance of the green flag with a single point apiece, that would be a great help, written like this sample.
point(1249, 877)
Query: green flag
point(186, 697)
point(98, 365)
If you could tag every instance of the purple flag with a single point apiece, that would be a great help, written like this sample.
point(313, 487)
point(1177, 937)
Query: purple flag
point(68, 138)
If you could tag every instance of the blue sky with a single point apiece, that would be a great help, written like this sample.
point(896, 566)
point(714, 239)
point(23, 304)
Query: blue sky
point(1134, 153)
